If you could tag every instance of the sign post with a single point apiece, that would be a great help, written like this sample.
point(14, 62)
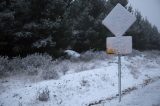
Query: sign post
point(119, 76)
point(118, 22)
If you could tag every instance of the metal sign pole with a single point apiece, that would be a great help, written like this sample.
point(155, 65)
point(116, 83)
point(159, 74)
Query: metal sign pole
point(119, 76)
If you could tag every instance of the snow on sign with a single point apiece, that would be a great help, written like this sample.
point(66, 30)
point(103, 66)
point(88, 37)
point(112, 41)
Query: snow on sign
point(119, 45)
point(119, 20)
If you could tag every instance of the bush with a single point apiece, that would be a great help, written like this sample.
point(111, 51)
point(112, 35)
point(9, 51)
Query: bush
point(33, 63)
point(49, 74)
point(90, 55)
point(54, 70)
point(30, 64)
point(43, 95)
point(37, 60)
point(32, 70)
point(84, 83)
point(15, 65)
point(3, 66)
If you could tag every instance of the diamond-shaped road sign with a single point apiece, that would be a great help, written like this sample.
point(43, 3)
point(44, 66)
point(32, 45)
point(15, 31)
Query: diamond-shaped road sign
point(119, 45)
point(119, 20)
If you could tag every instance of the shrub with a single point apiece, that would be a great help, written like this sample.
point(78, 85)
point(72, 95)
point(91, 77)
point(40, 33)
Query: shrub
point(63, 67)
point(43, 95)
point(32, 70)
point(84, 83)
point(15, 65)
point(90, 55)
point(37, 60)
point(3, 66)
point(31, 64)
point(49, 73)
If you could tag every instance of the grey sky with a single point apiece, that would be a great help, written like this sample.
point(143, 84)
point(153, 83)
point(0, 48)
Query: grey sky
point(149, 9)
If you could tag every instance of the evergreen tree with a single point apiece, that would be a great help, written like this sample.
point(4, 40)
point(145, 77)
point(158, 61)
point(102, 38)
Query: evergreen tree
point(122, 2)
point(86, 24)
point(145, 36)
point(29, 26)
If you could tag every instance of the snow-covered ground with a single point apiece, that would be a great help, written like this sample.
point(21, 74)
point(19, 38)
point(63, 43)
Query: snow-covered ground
point(91, 85)
point(147, 96)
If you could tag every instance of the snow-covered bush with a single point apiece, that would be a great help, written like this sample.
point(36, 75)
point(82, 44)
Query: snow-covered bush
point(63, 66)
point(43, 94)
point(84, 83)
point(49, 73)
point(33, 63)
point(30, 64)
point(44, 67)
point(32, 70)
point(56, 69)
point(23, 34)
point(135, 53)
point(90, 55)
point(16, 65)
point(37, 60)
point(3, 66)
point(19, 65)
point(81, 67)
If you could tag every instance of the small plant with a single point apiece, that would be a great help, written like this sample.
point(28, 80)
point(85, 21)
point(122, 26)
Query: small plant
point(20, 104)
point(50, 73)
point(43, 95)
point(90, 55)
point(84, 83)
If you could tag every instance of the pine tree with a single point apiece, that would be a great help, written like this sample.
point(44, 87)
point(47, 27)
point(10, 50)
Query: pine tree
point(86, 17)
point(29, 26)
point(122, 2)
point(145, 36)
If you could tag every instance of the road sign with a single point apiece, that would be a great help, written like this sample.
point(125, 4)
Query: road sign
point(119, 20)
point(119, 45)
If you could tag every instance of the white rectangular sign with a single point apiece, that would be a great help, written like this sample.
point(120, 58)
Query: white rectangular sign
point(119, 45)
point(119, 20)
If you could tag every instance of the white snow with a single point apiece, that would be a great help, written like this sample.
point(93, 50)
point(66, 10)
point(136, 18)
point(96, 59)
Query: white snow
point(83, 88)
point(72, 53)
point(44, 42)
point(147, 96)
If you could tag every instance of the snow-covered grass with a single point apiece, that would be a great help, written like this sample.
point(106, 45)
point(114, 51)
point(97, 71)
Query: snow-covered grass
point(96, 79)
point(44, 67)
point(30, 65)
